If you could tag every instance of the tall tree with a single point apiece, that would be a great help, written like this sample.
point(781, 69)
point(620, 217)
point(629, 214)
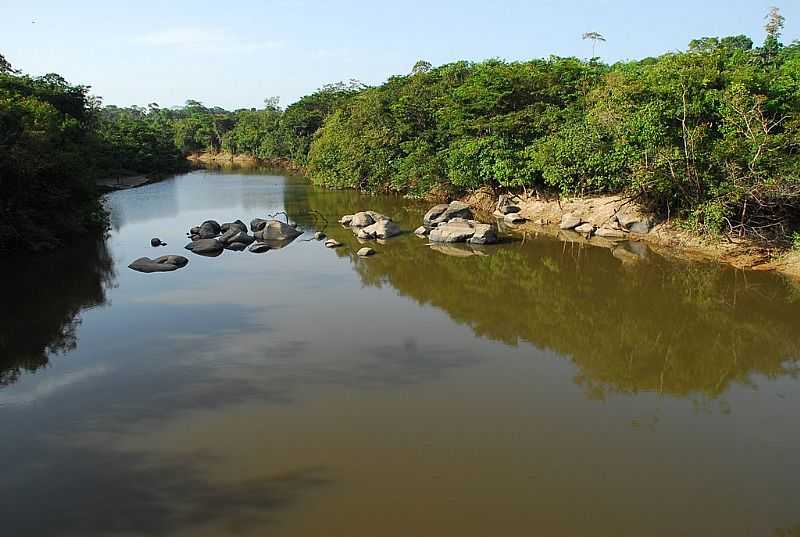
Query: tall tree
point(594, 37)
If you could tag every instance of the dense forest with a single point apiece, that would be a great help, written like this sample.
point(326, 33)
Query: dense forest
point(709, 136)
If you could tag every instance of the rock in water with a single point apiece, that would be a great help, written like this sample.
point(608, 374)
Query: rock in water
point(456, 209)
point(275, 230)
point(319, 236)
point(235, 234)
point(421, 231)
point(205, 247)
point(362, 219)
point(257, 224)
point(609, 233)
point(382, 229)
point(585, 229)
point(484, 234)
point(458, 231)
point(260, 247)
point(570, 221)
point(165, 263)
point(209, 229)
point(155, 241)
point(366, 252)
point(346, 219)
point(434, 213)
point(237, 224)
point(332, 243)
point(236, 246)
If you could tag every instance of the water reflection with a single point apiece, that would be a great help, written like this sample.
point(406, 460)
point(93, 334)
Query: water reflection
point(657, 326)
point(48, 294)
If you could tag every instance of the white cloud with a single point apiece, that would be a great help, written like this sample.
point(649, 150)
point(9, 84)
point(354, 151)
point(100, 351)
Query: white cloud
point(205, 39)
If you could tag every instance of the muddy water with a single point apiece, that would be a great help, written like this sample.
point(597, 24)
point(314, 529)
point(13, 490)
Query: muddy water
point(530, 388)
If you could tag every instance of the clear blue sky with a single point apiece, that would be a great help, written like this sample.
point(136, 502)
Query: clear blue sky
point(234, 53)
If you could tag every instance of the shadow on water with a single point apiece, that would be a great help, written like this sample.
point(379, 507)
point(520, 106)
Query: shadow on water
point(659, 325)
point(48, 293)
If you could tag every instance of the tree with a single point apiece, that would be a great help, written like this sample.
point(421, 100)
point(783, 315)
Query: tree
point(595, 37)
point(5, 65)
point(421, 66)
point(773, 27)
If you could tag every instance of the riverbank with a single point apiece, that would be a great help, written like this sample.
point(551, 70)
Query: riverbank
point(228, 159)
point(544, 214)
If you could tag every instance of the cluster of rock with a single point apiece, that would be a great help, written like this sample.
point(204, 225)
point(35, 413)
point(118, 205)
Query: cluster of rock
point(165, 263)
point(619, 226)
point(508, 212)
point(210, 238)
point(454, 222)
point(368, 225)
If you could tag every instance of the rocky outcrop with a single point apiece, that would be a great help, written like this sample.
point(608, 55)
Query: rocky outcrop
point(165, 263)
point(453, 222)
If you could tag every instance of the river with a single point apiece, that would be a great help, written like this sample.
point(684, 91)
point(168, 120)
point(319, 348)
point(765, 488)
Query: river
point(535, 387)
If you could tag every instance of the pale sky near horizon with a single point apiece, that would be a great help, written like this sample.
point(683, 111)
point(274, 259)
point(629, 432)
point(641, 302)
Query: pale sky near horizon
point(237, 53)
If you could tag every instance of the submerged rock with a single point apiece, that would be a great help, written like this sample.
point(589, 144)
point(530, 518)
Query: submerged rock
point(165, 263)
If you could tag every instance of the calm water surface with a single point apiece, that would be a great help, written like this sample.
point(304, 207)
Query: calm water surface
point(536, 388)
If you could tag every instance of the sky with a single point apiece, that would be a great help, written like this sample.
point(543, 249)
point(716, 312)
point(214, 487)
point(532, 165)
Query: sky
point(235, 53)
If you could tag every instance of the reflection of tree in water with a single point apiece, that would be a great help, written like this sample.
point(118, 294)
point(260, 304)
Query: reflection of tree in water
point(660, 326)
point(45, 295)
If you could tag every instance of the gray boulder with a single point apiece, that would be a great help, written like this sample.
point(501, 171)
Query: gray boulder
point(642, 227)
point(209, 229)
point(259, 247)
point(205, 247)
point(257, 224)
point(381, 229)
point(483, 234)
point(332, 243)
point(236, 235)
point(195, 230)
point(366, 252)
point(275, 230)
point(509, 209)
point(346, 219)
point(456, 209)
point(570, 221)
point(235, 246)
point(362, 219)
point(237, 225)
point(165, 263)
point(585, 229)
point(458, 231)
point(435, 212)
point(155, 241)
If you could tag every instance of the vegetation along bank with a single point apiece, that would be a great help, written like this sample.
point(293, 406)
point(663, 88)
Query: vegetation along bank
point(707, 139)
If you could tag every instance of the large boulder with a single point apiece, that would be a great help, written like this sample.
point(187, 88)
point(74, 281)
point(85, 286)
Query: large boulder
point(235, 246)
point(237, 224)
point(434, 213)
point(275, 230)
point(209, 229)
point(165, 263)
point(205, 247)
point(484, 234)
point(382, 229)
point(362, 219)
point(456, 209)
point(458, 231)
point(235, 234)
point(257, 224)
point(610, 233)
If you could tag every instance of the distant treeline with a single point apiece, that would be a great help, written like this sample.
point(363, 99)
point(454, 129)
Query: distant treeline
point(710, 136)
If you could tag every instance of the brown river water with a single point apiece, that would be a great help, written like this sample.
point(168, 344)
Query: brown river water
point(534, 387)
